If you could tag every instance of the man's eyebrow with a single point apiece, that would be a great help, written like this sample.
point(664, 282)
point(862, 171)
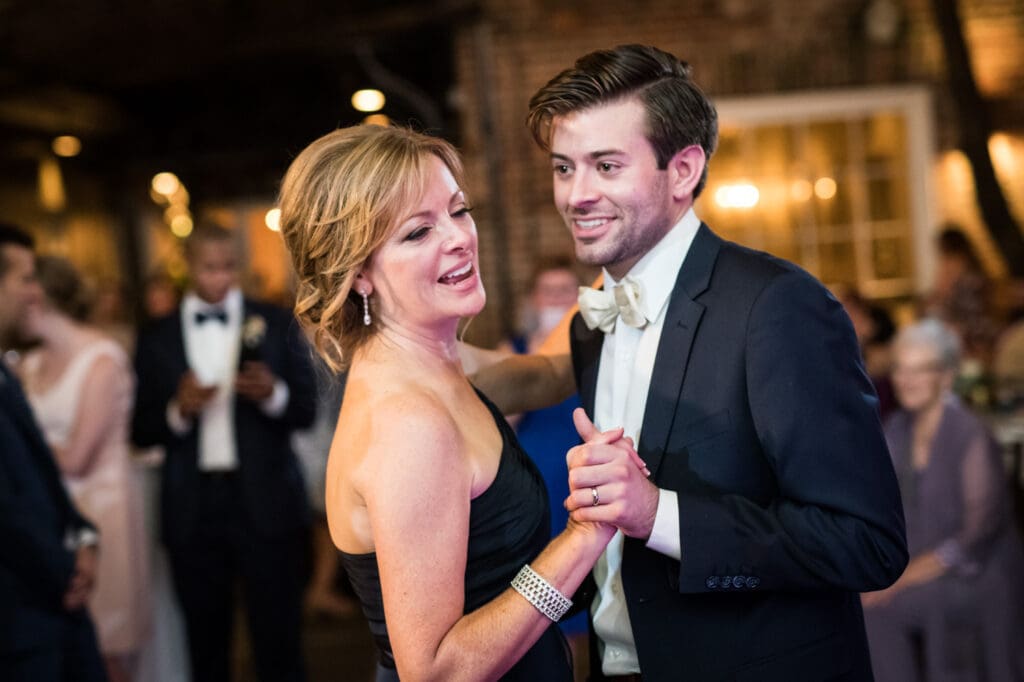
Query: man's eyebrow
point(600, 153)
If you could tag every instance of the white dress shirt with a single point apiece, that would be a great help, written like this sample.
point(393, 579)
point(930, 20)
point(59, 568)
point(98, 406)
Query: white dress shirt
point(212, 351)
point(623, 381)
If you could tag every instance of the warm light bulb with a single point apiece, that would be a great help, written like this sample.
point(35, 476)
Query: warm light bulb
point(825, 188)
point(66, 145)
point(368, 100)
point(742, 195)
point(377, 120)
point(181, 225)
point(801, 190)
point(166, 183)
point(273, 220)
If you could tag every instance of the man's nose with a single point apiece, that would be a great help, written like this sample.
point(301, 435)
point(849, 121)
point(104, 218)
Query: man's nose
point(582, 190)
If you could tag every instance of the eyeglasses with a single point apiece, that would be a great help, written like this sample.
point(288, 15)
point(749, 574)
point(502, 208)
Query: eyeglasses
point(916, 370)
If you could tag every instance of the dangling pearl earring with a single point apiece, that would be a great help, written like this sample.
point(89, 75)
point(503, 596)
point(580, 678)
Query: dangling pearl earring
point(367, 320)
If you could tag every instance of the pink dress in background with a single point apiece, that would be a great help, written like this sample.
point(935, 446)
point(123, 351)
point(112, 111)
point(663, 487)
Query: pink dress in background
point(108, 494)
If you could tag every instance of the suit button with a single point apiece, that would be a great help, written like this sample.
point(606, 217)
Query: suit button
point(712, 582)
point(726, 581)
point(753, 582)
point(739, 582)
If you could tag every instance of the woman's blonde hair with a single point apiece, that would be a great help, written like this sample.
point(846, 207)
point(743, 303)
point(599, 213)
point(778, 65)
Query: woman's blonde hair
point(340, 199)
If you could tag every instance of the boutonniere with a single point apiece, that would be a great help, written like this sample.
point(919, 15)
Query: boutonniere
point(253, 330)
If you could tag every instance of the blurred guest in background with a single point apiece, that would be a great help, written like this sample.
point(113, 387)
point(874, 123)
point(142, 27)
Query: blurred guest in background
point(961, 595)
point(48, 562)
point(312, 446)
point(160, 296)
point(221, 386)
point(109, 313)
point(547, 434)
point(961, 294)
point(79, 383)
point(1008, 365)
point(875, 329)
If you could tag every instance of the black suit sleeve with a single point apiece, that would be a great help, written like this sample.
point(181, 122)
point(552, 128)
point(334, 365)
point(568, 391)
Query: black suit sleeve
point(153, 392)
point(32, 541)
point(297, 372)
point(836, 520)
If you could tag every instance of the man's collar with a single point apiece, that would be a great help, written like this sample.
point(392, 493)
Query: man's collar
point(657, 270)
point(232, 304)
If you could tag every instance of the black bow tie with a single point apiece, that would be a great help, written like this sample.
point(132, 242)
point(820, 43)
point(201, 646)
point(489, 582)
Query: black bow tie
point(212, 314)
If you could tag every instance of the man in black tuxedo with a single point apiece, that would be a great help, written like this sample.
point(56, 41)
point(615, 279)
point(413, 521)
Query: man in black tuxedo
point(772, 502)
point(48, 561)
point(222, 383)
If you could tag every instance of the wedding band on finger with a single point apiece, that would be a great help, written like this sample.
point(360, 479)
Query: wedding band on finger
point(597, 498)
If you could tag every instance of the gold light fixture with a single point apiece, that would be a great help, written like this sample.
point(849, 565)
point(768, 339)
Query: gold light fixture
point(739, 195)
point(273, 220)
point(825, 188)
point(66, 146)
point(165, 183)
point(368, 100)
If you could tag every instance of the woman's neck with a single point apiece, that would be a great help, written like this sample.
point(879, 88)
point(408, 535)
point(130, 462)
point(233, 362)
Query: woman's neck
point(61, 335)
point(435, 349)
point(926, 421)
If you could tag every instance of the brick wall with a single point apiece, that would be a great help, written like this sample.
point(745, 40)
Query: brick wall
point(736, 47)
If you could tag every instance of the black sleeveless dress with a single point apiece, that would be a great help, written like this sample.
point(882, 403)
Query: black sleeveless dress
point(509, 525)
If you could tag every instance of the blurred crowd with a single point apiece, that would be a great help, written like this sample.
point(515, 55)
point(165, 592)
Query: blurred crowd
point(187, 526)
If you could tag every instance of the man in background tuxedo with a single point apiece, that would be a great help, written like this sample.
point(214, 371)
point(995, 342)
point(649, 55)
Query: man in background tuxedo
point(222, 383)
point(48, 556)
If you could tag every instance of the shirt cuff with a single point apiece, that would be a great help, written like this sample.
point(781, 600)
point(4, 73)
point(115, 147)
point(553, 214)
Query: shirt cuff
point(176, 421)
point(665, 533)
point(277, 403)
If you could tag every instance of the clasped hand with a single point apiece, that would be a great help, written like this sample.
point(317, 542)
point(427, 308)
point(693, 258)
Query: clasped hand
point(608, 482)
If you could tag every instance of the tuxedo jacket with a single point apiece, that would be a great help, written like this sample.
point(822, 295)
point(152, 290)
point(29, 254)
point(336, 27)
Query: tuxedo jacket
point(761, 417)
point(35, 516)
point(271, 482)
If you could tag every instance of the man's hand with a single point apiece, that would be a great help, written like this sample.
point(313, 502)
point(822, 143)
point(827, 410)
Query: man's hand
point(192, 396)
point(625, 498)
point(255, 382)
point(82, 580)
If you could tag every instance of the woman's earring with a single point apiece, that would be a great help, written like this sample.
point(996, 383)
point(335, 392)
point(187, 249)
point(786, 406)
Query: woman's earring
point(367, 320)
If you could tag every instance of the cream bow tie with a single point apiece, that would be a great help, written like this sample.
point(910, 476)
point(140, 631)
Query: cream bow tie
point(600, 308)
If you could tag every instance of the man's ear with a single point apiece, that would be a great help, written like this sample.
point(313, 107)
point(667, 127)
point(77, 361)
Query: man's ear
point(685, 170)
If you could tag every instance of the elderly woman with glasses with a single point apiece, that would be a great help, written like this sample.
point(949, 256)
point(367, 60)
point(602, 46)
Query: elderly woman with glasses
point(956, 613)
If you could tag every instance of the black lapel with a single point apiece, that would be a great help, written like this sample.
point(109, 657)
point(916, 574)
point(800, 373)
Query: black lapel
point(586, 357)
point(681, 321)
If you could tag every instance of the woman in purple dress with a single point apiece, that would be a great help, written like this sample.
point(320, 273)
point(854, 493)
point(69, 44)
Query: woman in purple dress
point(956, 613)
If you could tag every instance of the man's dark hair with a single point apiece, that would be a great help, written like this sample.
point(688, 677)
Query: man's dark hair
point(206, 231)
point(679, 114)
point(9, 234)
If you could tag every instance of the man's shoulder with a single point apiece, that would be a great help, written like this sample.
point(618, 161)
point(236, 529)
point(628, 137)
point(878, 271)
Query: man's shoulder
point(271, 311)
point(161, 326)
point(744, 266)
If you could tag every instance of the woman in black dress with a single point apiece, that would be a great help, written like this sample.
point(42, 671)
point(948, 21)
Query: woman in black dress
point(435, 507)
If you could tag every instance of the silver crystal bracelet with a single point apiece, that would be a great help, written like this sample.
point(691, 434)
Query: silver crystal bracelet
point(541, 593)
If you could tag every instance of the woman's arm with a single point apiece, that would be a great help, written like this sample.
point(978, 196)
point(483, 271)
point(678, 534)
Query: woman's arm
point(105, 390)
point(418, 499)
